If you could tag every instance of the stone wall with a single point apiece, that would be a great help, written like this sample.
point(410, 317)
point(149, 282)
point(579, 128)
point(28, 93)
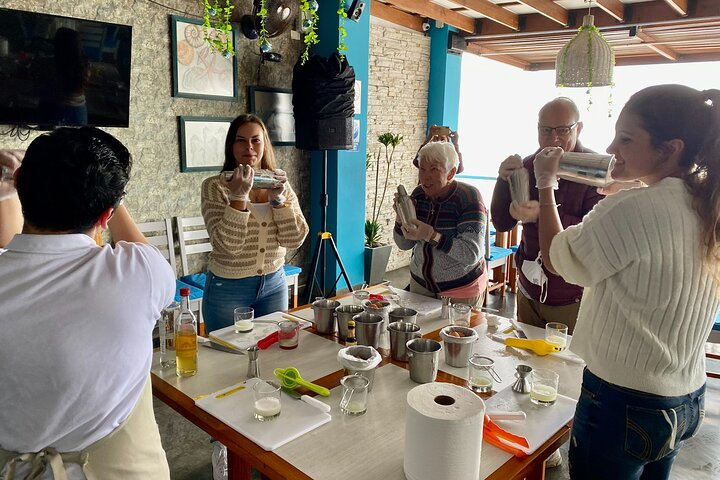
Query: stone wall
point(157, 188)
point(397, 103)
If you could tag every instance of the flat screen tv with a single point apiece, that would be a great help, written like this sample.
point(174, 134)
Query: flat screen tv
point(63, 71)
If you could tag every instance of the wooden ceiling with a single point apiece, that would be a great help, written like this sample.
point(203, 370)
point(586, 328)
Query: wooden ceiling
point(529, 33)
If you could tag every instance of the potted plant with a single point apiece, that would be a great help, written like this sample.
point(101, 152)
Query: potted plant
point(377, 254)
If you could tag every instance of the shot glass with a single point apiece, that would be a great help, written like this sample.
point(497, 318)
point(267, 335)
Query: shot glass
point(289, 334)
point(556, 334)
point(460, 314)
point(480, 373)
point(355, 395)
point(244, 319)
point(359, 296)
point(544, 386)
point(267, 400)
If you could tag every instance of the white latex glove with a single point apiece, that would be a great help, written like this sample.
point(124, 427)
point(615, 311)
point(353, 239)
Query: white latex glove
point(240, 183)
point(275, 195)
point(616, 187)
point(546, 165)
point(525, 212)
point(280, 175)
point(9, 162)
point(509, 165)
point(418, 231)
point(396, 197)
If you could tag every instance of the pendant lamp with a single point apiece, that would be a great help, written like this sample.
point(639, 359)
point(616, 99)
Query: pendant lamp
point(587, 60)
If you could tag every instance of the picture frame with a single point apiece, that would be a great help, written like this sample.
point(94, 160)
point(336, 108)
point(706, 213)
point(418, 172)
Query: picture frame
point(198, 70)
point(274, 106)
point(202, 143)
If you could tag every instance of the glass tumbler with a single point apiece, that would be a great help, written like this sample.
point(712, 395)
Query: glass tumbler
point(359, 296)
point(556, 334)
point(481, 373)
point(544, 386)
point(289, 334)
point(267, 400)
point(244, 319)
point(460, 314)
point(355, 395)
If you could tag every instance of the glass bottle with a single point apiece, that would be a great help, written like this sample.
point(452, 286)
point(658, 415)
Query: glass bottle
point(166, 333)
point(186, 338)
point(350, 340)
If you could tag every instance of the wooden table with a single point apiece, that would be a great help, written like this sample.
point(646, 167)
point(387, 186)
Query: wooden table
point(318, 453)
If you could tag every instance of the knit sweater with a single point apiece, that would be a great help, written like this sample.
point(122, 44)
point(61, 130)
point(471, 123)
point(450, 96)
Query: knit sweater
point(245, 243)
point(650, 295)
point(459, 259)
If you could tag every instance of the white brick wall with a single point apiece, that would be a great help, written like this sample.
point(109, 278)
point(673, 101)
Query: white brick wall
point(397, 103)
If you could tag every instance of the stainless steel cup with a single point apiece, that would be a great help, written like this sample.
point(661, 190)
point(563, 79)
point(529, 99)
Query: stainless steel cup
point(368, 329)
point(324, 311)
point(423, 358)
point(344, 314)
point(403, 315)
point(458, 348)
point(400, 334)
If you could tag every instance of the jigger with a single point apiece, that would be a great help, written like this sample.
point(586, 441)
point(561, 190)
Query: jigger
point(522, 384)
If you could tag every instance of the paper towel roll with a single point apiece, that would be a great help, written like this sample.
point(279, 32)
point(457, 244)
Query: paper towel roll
point(443, 432)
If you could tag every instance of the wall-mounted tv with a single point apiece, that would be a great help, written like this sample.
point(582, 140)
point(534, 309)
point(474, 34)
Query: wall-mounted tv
point(63, 71)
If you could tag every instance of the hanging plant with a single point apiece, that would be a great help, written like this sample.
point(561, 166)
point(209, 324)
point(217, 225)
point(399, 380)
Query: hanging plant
point(217, 27)
point(342, 48)
point(308, 9)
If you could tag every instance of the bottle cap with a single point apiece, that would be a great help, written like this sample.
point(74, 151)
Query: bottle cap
point(184, 292)
point(351, 323)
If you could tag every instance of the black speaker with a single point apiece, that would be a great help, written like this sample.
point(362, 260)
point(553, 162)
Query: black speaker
point(356, 10)
point(324, 134)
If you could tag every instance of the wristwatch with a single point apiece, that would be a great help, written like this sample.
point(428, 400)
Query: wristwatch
point(435, 239)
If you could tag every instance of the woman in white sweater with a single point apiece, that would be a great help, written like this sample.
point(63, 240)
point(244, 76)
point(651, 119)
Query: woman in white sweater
point(649, 261)
point(249, 228)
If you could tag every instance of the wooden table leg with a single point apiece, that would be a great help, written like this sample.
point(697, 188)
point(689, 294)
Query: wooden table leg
point(238, 469)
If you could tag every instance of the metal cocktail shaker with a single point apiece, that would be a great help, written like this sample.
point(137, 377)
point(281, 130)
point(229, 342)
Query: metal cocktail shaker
point(587, 168)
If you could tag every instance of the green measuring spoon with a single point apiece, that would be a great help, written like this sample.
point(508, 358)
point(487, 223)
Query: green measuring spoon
point(290, 378)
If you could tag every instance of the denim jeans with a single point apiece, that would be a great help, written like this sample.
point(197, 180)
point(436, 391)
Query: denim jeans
point(265, 293)
point(624, 434)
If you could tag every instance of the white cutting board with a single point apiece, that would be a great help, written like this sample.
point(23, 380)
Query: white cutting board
point(236, 410)
point(541, 422)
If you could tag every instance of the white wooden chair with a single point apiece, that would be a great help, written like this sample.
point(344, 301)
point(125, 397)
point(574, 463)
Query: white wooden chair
point(159, 233)
point(193, 238)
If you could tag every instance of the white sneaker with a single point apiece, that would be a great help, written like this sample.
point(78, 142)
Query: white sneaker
point(554, 460)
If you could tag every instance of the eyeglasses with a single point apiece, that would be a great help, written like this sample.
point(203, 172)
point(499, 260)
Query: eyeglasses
point(560, 131)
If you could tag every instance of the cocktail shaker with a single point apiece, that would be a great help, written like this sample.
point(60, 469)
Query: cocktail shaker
point(405, 206)
point(587, 168)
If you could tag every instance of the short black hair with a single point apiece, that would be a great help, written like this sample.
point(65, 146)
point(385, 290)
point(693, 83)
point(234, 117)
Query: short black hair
point(70, 176)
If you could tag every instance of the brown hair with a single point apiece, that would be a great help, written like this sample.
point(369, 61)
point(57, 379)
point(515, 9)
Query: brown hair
point(268, 158)
point(670, 112)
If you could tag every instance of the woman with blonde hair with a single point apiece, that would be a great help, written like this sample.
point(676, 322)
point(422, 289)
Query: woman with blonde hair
point(249, 228)
point(649, 261)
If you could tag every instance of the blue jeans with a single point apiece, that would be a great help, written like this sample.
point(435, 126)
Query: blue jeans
point(624, 434)
point(265, 293)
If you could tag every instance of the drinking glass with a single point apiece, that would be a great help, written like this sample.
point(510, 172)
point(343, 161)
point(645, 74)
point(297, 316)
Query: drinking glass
point(461, 314)
point(480, 374)
point(289, 334)
point(556, 334)
point(244, 319)
point(355, 395)
point(359, 296)
point(544, 386)
point(267, 400)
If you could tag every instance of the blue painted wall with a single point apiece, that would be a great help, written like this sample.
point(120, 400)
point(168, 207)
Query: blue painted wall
point(444, 84)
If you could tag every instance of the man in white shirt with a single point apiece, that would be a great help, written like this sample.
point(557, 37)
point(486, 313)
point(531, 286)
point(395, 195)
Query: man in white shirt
point(76, 343)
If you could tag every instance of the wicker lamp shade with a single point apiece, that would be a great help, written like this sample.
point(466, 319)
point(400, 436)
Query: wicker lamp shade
point(587, 60)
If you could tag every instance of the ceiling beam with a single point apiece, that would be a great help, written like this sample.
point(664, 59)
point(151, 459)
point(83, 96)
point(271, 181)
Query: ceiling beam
point(615, 8)
point(647, 13)
point(663, 50)
point(548, 8)
point(503, 58)
point(680, 6)
point(428, 9)
point(393, 15)
point(492, 11)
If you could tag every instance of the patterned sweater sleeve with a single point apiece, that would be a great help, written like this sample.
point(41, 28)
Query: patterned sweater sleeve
point(467, 244)
point(292, 227)
point(227, 227)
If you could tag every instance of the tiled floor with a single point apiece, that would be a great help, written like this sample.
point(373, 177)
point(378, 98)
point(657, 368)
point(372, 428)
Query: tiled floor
point(189, 450)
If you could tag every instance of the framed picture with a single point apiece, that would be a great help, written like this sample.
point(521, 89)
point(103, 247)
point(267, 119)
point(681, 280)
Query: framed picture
point(274, 107)
point(198, 70)
point(202, 143)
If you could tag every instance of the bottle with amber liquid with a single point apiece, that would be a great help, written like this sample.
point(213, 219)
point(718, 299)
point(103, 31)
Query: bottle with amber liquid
point(350, 340)
point(186, 348)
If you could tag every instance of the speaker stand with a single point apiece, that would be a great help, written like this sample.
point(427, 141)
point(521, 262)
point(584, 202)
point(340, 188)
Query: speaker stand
point(324, 237)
